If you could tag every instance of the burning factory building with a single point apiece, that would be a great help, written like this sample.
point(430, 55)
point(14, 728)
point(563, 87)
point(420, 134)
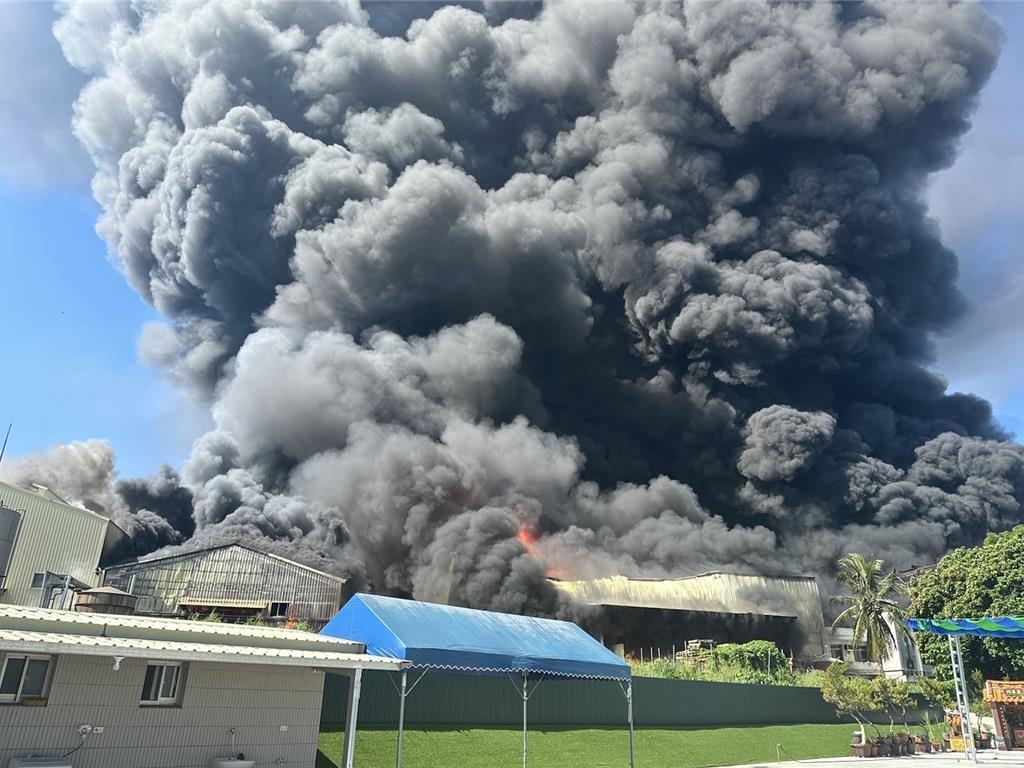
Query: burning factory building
point(647, 616)
point(473, 290)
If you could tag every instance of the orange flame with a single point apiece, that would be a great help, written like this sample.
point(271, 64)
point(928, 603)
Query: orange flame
point(528, 538)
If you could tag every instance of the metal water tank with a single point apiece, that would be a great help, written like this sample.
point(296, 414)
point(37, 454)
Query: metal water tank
point(105, 600)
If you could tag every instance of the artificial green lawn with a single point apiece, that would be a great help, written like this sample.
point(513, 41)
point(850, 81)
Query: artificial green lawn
point(591, 748)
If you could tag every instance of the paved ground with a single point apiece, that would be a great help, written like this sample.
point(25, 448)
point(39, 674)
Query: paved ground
point(989, 758)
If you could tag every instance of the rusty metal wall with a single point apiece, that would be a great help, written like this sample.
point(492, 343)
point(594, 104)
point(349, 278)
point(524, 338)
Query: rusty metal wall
point(229, 574)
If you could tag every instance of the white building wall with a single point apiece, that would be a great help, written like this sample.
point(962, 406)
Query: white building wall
point(256, 700)
point(903, 662)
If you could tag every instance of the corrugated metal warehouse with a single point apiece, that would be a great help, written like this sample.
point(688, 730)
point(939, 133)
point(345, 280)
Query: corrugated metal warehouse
point(724, 607)
point(43, 539)
point(235, 581)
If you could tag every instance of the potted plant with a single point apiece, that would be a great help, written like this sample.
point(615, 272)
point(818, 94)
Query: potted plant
point(895, 745)
point(881, 747)
point(922, 742)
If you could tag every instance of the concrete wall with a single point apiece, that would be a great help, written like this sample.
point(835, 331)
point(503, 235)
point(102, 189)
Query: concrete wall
point(255, 700)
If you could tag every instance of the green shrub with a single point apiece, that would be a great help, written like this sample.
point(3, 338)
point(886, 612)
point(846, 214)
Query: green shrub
point(758, 662)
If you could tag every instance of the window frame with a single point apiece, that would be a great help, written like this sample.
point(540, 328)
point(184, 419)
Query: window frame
point(271, 613)
point(861, 651)
point(19, 697)
point(179, 684)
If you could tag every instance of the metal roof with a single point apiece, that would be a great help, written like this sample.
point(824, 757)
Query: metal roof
point(145, 627)
point(43, 630)
point(20, 495)
point(453, 639)
point(166, 650)
point(191, 553)
point(715, 592)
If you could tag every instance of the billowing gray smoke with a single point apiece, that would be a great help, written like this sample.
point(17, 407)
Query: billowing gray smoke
point(653, 282)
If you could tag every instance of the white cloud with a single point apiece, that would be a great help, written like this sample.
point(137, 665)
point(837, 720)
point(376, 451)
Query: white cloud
point(37, 92)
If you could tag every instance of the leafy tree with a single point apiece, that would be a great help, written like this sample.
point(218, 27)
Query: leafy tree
point(892, 696)
point(872, 596)
point(852, 696)
point(970, 583)
point(938, 693)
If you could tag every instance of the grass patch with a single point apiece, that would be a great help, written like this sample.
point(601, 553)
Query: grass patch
point(591, 747)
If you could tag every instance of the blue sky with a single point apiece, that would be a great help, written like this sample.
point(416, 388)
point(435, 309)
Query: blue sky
point(979, 203)
point(69, 339)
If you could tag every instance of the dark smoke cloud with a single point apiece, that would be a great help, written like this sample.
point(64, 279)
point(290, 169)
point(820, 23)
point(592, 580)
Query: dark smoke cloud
point(652, 282)
point(154, 511)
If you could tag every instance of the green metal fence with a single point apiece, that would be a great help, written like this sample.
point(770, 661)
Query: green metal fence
point(441, 699)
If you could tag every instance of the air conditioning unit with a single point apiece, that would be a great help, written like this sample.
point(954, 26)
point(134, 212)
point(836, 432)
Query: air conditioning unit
point(39, 762)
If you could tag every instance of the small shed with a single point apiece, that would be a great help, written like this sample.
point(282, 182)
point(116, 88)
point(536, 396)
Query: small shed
point(452, 640)
point(1006, 697)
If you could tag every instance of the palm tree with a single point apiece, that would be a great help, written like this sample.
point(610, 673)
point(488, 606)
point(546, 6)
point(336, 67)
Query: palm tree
point(872, 597)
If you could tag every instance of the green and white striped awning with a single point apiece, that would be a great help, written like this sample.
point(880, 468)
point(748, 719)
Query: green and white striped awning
point(1011, 627)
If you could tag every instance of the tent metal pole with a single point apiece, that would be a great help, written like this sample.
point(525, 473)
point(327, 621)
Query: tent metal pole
point(526, 699)
point(353, 717)
point(629, 710)
point(963, 704)
point(401, 719)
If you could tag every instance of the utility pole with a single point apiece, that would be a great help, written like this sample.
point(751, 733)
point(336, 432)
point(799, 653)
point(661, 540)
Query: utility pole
point(6, 437)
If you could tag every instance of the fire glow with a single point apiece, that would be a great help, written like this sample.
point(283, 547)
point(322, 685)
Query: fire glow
point(529, 539)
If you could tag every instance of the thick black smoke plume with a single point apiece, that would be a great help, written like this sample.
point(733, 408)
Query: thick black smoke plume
point(654, 282)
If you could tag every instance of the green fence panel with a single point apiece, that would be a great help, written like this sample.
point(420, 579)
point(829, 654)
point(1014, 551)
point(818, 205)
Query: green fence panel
point(442, 699)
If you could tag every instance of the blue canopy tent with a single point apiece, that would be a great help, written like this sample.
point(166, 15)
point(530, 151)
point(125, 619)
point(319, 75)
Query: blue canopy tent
point(455, 640)
point(1009, 627)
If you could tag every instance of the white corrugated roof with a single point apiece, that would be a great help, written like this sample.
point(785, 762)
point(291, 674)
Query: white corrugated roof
point(163, 650)
point(21, 617)
point(49, 631)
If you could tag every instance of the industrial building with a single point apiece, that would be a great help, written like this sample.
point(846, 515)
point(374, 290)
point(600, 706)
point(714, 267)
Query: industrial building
point(98, 691)
point(235, 581)
point(661, 616)
point(49, 549)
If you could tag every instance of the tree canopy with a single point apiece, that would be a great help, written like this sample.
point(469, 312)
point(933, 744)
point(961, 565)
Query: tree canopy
point(969, 583)
point(872, 595)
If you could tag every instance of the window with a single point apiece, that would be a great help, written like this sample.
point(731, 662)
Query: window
point(278, 610)
point(37, 580)
point(835, 651)
point(860, 653)
point(162, 685)
point(23, 677)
